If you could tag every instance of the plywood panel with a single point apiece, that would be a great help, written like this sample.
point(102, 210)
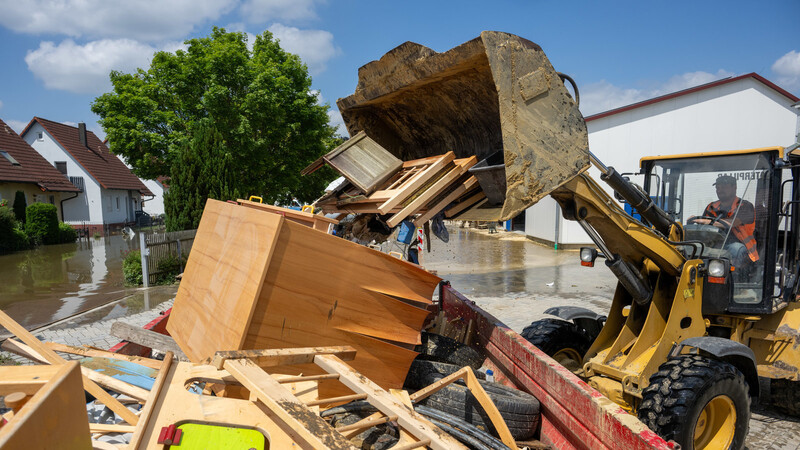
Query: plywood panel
point(223, 278)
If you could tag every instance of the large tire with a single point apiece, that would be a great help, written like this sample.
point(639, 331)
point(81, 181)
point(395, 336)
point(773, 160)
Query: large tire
point(561, 340)
point(698, 402)
point(423, 373)
point(443, 349)
point(519, 410)
point(785, 396)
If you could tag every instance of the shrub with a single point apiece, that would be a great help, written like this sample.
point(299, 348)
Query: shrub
point(168, 268)
point(20, 204)
point(66, 234)
point(132, 268)
point(41, 223)
point(11, 237)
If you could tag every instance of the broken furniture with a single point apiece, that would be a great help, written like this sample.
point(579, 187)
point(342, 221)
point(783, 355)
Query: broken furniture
point(315, 221)
point(256, 280)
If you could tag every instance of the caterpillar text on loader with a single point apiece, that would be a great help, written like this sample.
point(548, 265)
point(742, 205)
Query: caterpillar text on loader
point(695, 320)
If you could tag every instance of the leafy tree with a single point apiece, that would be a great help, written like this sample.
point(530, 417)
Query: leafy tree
point(19, 206)
point(204, 169)
point(259, 101)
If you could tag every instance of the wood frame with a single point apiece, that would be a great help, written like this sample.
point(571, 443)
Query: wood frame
point(464, 204)
point(434, 209)
point(316, 221)
point(400, 193)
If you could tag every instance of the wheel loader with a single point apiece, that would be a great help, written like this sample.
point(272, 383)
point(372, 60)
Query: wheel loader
point(695, 320)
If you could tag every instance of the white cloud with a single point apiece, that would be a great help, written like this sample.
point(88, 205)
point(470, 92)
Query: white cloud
point(144, 20)
point(334, 116)
point(260, 11)
point(787, 67)
point(603, 96)
point(16, 125)
point(315, 47)
point(85, 68)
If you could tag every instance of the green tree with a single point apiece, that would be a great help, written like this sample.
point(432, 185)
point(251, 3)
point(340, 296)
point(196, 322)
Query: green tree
point(19, 206)
point(204, 169)
point(41, 223)
point(259, 101)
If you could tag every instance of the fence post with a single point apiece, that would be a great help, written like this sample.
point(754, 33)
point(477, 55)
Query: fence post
point(180, 257)
point(144, 251)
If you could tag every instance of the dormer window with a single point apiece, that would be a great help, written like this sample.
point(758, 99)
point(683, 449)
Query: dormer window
point(10, 158)
point(61, 166)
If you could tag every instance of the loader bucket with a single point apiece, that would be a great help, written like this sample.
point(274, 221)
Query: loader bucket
point(495, 93)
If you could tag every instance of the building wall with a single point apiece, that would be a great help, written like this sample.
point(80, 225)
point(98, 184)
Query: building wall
point(33, 194)
point(154, 205)
point(739, 115)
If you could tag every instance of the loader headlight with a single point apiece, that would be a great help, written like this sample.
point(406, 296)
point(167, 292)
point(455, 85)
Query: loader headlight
point(717, 268)
point(588, 255)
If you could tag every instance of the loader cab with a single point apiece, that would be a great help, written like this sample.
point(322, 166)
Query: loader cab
point(738, 212)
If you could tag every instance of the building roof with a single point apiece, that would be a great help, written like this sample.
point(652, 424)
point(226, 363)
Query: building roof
point(32, 167)
point(95, 157)
point(702, 87)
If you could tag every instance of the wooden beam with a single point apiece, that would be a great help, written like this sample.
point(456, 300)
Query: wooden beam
point(388, 404)
point(52, 358)
point(283, 356)
point(110, 428)
point(147, 338)
point(464, 204)
point(417, 182)
point(150, 404)
point(434, 209)
point(91, 352)
point(435, 189)
point(367, 422)
point(301, 378)
point(341, 399)
point(286, 407)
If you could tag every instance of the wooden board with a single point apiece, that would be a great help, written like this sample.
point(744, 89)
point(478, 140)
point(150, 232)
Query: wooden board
point(223, 278)
point(318, 290)
point(147, 338)
point(315, 221)
point(54, 417)
point(434, 209)
point(406, 189)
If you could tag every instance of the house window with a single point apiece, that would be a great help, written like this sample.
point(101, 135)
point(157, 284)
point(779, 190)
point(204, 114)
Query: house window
point(10, 158)
point(61, 166)
point(117, 203)
point(52, 199)
point(40, 136)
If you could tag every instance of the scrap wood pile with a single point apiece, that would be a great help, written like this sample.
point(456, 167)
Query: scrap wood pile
point(379, 183)
point(294, 337)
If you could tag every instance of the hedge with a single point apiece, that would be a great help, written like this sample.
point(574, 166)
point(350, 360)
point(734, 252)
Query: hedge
point(41, 223)
point(12, 238)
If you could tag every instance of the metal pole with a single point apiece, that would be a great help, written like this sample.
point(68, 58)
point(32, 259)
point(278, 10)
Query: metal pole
point(144, 251)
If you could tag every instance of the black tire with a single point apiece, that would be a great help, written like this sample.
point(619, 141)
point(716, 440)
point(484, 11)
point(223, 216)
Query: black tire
point(443, 349)
point(561, 340)
point(379, 437)
point(519, 409)
point(423, 373)
point(683, 390)
point(785, 396)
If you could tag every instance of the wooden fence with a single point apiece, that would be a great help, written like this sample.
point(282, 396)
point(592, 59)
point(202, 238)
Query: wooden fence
point(162, 250)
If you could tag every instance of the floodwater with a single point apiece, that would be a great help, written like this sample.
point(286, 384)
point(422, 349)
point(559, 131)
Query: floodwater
point(53, 282)
point(514, 278)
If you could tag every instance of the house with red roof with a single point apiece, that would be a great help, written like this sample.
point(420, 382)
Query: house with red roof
point(735, 113)
point(110, 193)
point(23, 169)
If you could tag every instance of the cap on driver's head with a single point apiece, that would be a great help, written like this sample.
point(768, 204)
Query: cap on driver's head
point(725, 179)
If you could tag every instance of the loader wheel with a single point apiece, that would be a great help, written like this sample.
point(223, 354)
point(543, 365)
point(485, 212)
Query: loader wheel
point(561, 340)
point(698, 402)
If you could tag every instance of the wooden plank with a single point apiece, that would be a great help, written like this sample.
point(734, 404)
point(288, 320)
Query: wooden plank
point(388, 404)
point(90, 352)
point(464, 204)
point(232, 250)
point(51, 357)
point(334, 400)
point(305, 218)
point(27, 379)
point(110, 428)
point(434, 209)
point(150, 404)
point(55, 416)
point(283, 356)
point(435, 189)
point(147, 338)
point(286, 406)
point(418, 181)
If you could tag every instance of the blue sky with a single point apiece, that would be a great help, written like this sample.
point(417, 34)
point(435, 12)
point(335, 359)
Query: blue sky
point(55, 55)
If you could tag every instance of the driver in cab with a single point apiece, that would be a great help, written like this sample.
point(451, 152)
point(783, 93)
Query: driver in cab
point(735, 214)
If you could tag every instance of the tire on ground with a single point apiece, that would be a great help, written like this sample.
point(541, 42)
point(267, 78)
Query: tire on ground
point(443, 349)
point(678, 393)
point(559, 337)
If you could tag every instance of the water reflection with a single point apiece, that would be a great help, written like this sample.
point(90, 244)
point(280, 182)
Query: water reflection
point(52, 282)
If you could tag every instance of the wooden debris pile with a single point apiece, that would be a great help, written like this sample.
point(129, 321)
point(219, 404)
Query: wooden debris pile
point(379, 183)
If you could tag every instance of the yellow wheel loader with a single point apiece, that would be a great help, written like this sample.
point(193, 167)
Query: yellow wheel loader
point(695, 320)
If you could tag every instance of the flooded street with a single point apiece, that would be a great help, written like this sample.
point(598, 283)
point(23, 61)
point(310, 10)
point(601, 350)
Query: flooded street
point(53, 282)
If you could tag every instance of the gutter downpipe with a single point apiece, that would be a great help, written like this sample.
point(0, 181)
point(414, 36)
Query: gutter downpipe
point(62, 204)
point(558, 227)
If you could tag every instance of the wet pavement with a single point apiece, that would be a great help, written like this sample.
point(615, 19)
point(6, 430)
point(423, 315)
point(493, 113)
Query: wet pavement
point(516, 279)
point(53, 282)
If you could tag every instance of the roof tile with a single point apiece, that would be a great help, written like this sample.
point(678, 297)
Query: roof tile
point(32, 168)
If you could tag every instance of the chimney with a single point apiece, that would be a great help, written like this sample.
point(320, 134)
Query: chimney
point(82, 133)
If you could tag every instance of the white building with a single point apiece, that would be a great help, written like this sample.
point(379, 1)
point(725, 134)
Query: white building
point(110, 195)
point(741, 112)
point(154, 205)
